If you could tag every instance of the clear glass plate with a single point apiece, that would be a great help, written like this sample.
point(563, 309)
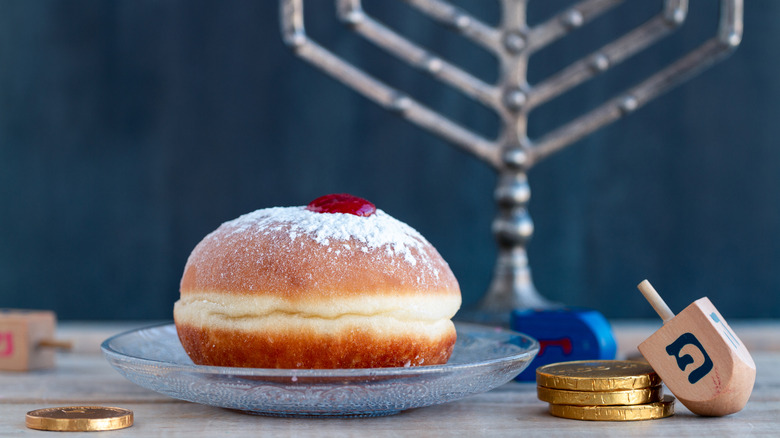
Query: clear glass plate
point(483, 358)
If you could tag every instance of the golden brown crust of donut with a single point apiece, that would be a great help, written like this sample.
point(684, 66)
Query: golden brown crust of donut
point(353, 348)
point(269, 291)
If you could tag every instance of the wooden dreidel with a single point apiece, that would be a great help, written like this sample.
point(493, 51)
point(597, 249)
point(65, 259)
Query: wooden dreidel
point(699, 357)
point(27, 339)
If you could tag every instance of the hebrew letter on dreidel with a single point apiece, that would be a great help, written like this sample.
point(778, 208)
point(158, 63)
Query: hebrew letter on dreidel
point(722, 383)
point(675, 348)
point(6, 344)
point(563, 343)
point(726, 331)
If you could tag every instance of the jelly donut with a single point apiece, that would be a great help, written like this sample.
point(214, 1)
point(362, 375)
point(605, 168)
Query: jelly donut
point(335, 284)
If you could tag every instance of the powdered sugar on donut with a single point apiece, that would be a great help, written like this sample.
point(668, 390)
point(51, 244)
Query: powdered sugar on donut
point(295, 253)
point(375, 231)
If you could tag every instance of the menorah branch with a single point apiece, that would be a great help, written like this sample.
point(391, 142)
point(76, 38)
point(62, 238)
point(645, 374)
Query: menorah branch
point(603, 59)
point(379, 92)
point(562, 24)
point(351, 12)
point(454, 17)
point(729, 36)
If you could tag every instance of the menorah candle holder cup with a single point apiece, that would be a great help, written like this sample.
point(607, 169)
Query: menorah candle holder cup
point(512, 97)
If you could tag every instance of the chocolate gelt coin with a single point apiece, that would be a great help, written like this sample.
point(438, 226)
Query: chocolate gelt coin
point(649, 411)
point(597, 375)
point(79, 418)
point(600, 398)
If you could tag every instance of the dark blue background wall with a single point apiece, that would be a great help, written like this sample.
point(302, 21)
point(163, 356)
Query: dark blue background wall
point(131, 128)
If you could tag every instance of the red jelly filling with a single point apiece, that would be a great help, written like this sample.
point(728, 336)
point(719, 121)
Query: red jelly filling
point(342, 203)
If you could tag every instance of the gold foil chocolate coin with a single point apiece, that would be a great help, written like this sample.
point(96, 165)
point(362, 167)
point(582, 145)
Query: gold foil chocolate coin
point(79, 418)
point(597, 375)
point(649, 411)
point(600, 398)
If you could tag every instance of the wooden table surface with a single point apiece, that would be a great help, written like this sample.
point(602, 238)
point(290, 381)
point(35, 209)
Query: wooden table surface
point(83, 377)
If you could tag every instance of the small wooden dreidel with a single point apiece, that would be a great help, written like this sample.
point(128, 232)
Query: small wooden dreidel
point(564, 334)
point(27, 339)
point(699, 357)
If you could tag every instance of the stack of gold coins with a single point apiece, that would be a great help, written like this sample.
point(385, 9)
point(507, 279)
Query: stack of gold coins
point(603, 390)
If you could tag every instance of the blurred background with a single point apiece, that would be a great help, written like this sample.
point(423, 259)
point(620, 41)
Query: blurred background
point(129, 129)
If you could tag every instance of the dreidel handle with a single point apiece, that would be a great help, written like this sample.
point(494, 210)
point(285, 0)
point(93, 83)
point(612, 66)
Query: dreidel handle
point(655, 300)
point(56, 343)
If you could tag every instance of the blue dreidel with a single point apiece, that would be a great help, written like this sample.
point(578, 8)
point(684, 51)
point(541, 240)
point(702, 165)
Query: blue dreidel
point(564, 334)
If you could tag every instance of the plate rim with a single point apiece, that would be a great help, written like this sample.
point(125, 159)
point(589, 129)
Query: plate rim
point(111, 353)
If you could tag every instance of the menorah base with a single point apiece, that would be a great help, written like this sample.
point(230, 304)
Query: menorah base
point(511, 289)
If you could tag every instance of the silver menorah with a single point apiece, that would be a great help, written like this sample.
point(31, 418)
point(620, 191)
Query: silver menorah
point(512, 98)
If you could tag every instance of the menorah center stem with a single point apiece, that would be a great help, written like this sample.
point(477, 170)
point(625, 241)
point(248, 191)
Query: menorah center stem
point(513, 225)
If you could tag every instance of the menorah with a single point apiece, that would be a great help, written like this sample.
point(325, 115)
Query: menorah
point(512, 98)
